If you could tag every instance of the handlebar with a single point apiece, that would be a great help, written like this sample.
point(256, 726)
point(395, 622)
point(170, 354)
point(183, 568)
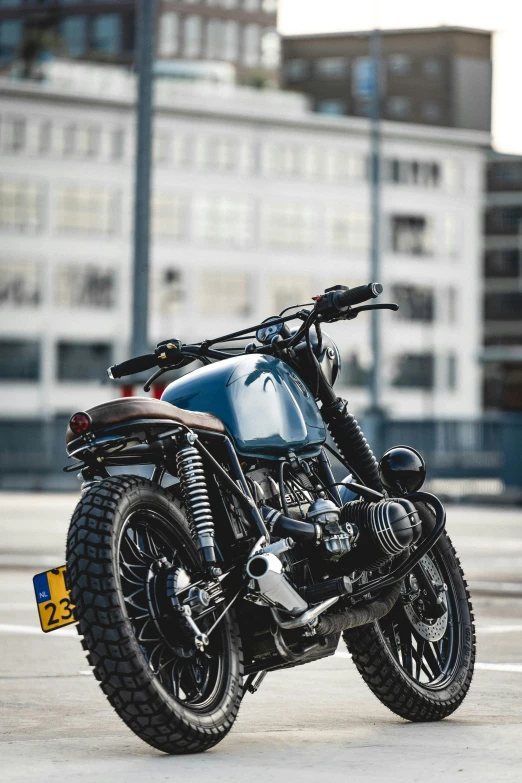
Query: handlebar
point(358, 295)
point(334, 305)
point(133, 366)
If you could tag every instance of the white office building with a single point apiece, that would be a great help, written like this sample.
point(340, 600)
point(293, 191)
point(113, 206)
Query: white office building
point(257, 204)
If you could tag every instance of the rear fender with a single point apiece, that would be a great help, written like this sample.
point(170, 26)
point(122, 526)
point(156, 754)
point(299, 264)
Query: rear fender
point(139, 442)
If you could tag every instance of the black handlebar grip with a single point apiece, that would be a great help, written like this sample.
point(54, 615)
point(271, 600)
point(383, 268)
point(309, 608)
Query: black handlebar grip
point(133, 366)
point(358, 295)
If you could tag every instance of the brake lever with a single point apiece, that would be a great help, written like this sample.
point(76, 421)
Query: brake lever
point(354, 311)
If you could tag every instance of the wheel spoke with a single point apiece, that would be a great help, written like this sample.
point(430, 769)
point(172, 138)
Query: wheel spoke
point(406, 647)
point(189, 679)
point(419, 653)
point(135, 548)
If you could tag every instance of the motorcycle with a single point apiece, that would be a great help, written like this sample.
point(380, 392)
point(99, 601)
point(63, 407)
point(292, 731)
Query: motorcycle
point(242, 554)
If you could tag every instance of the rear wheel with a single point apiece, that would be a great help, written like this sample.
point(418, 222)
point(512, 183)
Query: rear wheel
point(419, 660)
point(129, 550)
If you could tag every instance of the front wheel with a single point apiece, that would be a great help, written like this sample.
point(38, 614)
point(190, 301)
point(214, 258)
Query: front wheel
point(417, 661)
point(127, 542)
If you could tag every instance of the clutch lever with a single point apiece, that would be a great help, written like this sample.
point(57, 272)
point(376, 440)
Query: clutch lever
point(354, 311)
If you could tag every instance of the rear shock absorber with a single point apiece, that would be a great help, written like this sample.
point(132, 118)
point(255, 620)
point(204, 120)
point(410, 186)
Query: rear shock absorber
point(197, 501)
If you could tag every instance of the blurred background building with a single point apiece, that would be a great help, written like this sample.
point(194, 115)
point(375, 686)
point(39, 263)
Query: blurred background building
point(503, 284)
point(261, 198)
point(433, 76)
point(257, 204)
point(240, 32)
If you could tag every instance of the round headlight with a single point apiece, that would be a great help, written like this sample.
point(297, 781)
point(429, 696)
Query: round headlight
point(402, 470)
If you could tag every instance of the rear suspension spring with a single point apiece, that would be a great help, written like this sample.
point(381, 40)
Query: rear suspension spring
point(197, 501)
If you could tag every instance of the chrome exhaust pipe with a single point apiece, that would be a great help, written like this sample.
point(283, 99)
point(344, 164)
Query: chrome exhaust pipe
point(267, 571)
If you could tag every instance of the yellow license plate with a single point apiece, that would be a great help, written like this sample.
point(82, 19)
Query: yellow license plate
point(53, 599)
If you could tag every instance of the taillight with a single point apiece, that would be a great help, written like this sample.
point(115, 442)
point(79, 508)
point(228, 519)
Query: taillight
point(80, 422)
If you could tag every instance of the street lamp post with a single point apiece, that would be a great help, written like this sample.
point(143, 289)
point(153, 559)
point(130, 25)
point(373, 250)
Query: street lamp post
point(146, 18)
point(374, 417)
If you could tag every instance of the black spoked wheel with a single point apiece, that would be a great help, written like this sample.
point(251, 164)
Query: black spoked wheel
point(130, 556)
point(150, 551)
point(419, 659)
point(425, 644)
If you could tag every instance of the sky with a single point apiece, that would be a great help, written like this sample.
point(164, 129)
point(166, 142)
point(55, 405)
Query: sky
point(503, 17)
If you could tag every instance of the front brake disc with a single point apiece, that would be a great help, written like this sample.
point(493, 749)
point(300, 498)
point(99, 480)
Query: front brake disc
point(430, 629)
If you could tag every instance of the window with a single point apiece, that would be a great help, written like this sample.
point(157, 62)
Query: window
point(224, 293)
point(44, 136)
point(20, 284)
point(251, 45)
point(416, 303)
point(451, 234)
point(13, 134)
point(161, 146)
point(347, 230)
point(106, 33)
point(222, 220)
point(452, 305)
point(412, 172)
point(415, 371)
point(399, 106)
point(167, 290)
point(168, 215)
point(432, 68)
point(20, 360)
point(431, 111)
point(451, 176)
point(332, 107)
point(73, 30)
point(412, 235)
point(282, 159)
point(192, 36)
point(117, 144)
point(84, 286)
point(85, 209)
point(83, 361)
point(399, 64)
point(270, 49)
point(81, 140)
point(289, 225)
point(230, 40)
point(168, 34)
point(504, 220)
point(353, 372)
point(503, 306)
point(451, 372)
point(330, 67)
point(505, 175)
point(20, 205)
point(288, 290)
point(502, 263)
point(225, 153)
point(10, 38)
point(180, 149)
point(296, 69)
point(343, 164)
point(215, 35)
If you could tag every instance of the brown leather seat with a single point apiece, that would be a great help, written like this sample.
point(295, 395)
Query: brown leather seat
point(129, 408)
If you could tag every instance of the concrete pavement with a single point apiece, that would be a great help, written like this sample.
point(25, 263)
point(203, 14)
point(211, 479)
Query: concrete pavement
point(309, 724)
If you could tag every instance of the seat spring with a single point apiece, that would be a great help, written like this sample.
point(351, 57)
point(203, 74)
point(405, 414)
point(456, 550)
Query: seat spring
point(197, 500)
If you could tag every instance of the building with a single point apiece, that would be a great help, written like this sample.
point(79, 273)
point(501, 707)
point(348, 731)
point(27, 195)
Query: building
point(433, 76)
point(503, 284)
point(241, 32)
point(258, 204)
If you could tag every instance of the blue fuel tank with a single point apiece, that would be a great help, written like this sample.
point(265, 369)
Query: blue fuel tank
point(266, 408)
